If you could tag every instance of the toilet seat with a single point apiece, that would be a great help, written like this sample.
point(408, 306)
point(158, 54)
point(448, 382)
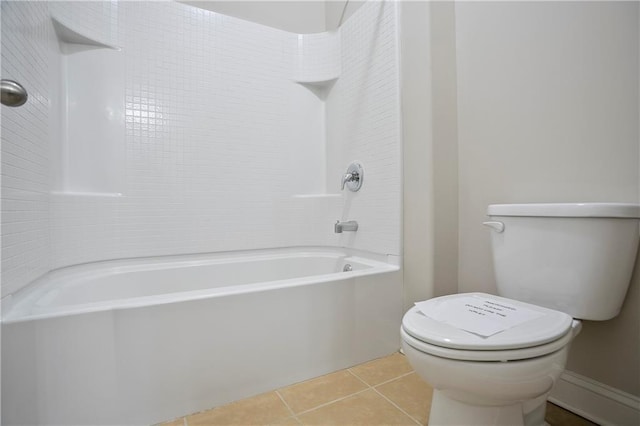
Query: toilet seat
point(488, 356)
point(534, 338)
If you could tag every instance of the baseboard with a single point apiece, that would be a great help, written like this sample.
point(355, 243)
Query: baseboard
point(596, 401)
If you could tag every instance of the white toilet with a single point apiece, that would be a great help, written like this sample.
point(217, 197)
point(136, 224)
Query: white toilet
point(492, 360)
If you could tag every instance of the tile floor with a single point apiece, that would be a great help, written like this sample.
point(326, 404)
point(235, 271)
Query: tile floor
point(385, 391)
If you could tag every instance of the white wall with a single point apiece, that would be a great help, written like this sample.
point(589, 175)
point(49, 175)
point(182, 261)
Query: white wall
point(211, 136)
point(363, 123)
point(548, 111)
point(419, 243)
point(29, 56)
point(294, 16)
point(430, 150)
point(547, 96)
point(339, 11)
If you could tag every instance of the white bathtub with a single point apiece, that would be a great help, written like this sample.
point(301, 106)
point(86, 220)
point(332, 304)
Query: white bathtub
point(145, 340)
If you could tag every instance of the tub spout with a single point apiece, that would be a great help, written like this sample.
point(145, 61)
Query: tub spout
point(350, 225)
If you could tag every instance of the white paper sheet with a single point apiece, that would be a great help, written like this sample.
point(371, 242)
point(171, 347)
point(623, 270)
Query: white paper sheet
point(483, 316)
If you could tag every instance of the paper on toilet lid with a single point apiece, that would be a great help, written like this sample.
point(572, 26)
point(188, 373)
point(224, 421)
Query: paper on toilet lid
point(484, 316)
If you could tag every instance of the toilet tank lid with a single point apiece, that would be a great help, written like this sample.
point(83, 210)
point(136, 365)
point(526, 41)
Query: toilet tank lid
point(610, 210)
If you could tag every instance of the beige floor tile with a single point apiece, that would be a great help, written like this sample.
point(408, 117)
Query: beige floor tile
point(290, 421)
point(176, 422)
point(557, 416)
point(366, 408)
point(410, 393)
point(263, 409)
point(383, 369)
point(392, 377)
point(312, 393)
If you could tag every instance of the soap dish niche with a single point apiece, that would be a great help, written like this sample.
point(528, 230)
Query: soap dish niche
point(320, 88)
point(91, 151)
point(72, 41)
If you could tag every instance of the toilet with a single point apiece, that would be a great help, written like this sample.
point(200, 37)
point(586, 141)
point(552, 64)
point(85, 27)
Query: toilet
point(493, 359)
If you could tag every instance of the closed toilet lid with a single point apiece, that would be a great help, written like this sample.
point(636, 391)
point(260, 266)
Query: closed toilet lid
point(549, 326)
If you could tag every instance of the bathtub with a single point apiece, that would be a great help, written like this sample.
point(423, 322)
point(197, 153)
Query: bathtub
point(140, 341)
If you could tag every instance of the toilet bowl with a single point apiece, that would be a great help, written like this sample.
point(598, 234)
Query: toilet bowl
point(502, 379)
point(555, 264)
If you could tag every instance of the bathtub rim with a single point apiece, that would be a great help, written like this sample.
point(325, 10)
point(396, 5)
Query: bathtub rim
point(11, 312)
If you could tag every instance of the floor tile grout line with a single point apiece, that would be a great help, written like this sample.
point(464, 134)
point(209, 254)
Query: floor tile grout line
point(395, 378)
point(294, 418)
point(398, 407)
point(331, 402)
point(277, 391)
point(368, 386)
point(381, 383)
point(358, 377)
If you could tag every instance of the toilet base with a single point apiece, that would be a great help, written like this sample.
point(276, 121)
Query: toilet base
point(446, 411)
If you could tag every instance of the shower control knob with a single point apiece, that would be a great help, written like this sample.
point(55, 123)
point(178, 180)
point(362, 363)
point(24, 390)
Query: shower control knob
point(12, 93)
point(352, 179)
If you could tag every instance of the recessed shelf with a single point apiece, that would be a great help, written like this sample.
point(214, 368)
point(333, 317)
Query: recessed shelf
point(91, 106)
point(320, 88)
point(67, 36)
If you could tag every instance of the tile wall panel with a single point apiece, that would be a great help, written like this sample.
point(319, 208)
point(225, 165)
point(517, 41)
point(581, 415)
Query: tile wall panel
point(208, 138)
point(28, 56)
point(363, 123)
point(207, 141)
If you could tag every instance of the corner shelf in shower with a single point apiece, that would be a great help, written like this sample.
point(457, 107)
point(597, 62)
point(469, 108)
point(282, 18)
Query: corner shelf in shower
point(68, 36)
point(318, 62)
point(91, 105)
point(320, 88)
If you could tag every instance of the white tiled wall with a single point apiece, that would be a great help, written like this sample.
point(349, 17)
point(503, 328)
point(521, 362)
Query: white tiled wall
point(318, 57)
point(363, 123)
point(209, 141)
point(28, 56)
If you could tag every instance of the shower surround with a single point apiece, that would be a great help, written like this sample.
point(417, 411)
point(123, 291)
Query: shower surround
point(158, 129)
point(217, 136)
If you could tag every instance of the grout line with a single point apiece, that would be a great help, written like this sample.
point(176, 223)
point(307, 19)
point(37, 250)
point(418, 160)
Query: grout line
point(368, 386)
point(381, 383)
point(358, 377)
point(396, 405)
point(395, 378)
point(277, 391)
point(331, 402)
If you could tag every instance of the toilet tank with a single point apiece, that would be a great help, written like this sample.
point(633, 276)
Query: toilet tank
point(574, 258)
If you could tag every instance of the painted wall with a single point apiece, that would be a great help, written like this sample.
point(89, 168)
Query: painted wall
point(302, 17)
point(430, 150)
point(548, 112)
point(419, 243)
point(529, 102)
point(337, 12)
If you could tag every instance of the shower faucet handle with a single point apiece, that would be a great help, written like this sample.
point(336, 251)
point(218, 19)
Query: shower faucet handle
point(13, 93)
point(352, 179)
point(349, 177)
